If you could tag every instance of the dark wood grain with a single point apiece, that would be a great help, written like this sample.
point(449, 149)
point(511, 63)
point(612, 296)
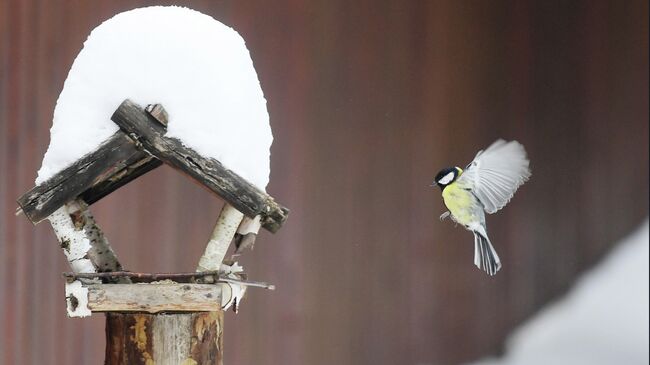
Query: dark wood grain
point(136, 166)
point(129, 339)
point(113, 164)
point(207, 329)
point(178, 338)
point(244, 196)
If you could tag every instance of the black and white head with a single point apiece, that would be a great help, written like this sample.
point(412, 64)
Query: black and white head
point(447, 176)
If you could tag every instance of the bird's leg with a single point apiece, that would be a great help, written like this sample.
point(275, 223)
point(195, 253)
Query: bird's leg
point(444, 215)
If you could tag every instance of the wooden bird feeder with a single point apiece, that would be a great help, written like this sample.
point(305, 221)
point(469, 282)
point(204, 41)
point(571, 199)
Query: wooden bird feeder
point(174, 318)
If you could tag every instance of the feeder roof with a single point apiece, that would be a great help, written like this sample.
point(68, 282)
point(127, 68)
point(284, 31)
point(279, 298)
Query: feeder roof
point(197, 67)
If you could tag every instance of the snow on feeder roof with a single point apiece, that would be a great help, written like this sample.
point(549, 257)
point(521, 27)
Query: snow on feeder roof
point(206, 115)
point(196, 67)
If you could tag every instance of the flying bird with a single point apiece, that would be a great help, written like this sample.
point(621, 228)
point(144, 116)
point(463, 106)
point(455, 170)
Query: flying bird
point(486, 185)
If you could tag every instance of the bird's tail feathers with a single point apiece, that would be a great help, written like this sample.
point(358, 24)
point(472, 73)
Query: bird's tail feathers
point(485, 257)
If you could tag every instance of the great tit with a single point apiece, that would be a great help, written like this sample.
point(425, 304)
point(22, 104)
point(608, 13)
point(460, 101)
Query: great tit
point(486, 185)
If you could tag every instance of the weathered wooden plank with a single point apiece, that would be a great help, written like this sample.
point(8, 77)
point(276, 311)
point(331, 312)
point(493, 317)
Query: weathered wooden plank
point(209, 172)
point(112, 156)
point(178, 338)
point(154, 298)
point(136, 167)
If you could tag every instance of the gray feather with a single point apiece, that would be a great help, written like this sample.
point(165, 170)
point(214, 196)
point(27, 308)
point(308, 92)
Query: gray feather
point(496, 173)
point(485, 257)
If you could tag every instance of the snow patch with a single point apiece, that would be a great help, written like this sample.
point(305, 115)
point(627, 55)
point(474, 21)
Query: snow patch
point(196, 67)
point(602, 320)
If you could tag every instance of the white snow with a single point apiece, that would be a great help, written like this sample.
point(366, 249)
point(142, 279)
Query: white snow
point(198, 68)
point(602, 320)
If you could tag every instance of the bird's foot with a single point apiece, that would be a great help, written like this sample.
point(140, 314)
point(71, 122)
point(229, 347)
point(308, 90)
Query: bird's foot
point(444, 215)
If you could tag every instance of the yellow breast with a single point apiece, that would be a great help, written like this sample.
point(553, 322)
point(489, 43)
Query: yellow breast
point(460, 203)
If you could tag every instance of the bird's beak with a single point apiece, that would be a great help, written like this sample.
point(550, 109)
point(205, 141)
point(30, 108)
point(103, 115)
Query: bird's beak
point(434, 184)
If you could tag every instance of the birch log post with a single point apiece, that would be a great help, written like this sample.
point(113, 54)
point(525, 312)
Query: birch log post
point(180, 338)
point(222, 234)
point(81, 239)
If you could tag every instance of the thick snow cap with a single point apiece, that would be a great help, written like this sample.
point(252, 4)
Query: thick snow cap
point(196, 67)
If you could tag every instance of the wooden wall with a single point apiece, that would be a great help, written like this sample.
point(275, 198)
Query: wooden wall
point(368, 99)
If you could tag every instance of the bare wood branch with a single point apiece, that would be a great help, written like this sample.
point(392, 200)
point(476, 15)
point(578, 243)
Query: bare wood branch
point(224, 230)
point(238, 192)
point(141, 277)
point(256, 284)
point(208, 277)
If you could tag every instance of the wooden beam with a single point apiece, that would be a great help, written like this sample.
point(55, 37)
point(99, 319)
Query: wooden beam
point(244, 196)
point(136, 167)
point(112, 156)
point(149, 298)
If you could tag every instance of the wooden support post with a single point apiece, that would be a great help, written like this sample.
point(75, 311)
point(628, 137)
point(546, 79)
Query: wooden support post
point(222, 234)
point(81, 239)
point(183, 339)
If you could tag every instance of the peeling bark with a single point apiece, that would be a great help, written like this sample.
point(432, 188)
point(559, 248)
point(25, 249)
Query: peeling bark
point(246, 234)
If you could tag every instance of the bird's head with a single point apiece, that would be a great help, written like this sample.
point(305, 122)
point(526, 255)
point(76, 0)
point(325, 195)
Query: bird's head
point(447, 176)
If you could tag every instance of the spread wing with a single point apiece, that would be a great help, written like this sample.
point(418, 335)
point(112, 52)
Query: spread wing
point(496, 173)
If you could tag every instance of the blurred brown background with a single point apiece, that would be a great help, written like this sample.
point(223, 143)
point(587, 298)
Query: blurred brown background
point(368, 100)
